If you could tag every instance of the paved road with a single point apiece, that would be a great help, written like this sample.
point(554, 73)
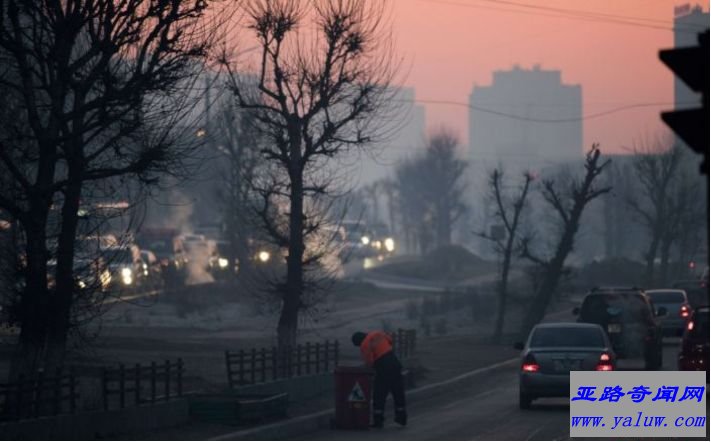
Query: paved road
point(485, 410)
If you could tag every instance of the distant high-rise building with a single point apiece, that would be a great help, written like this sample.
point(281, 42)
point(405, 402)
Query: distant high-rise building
point(526, 116)
point(688, 23)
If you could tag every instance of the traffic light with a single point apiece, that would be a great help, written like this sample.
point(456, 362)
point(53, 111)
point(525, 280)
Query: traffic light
point(691, 65)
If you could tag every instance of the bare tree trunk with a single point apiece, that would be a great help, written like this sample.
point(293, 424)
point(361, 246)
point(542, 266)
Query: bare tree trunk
point(503, 290)
point(665, 252)
point(650, 256)
point(549, 284)
point(444, 224)
point(34, 304)
point(62, 300)
point(289, 319)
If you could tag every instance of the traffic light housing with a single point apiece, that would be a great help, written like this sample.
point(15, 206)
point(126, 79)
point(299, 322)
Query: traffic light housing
point(691, 65)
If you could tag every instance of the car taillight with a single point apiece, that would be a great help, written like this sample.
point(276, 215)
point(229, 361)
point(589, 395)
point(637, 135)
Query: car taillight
point(684, 311)
point(605, 363)
point(529, 364)
point(690, 325)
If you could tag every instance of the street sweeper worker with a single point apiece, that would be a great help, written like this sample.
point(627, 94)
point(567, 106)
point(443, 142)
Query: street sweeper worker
point(376, 348)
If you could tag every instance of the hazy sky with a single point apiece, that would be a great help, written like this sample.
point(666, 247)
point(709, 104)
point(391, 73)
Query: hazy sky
point(448, 46)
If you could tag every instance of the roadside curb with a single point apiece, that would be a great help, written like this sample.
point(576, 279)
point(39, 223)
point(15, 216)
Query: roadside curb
point(292, 428)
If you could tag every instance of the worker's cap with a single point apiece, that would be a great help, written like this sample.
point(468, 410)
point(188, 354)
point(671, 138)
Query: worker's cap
point(358, 338)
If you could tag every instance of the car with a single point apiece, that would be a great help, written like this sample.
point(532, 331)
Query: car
point(553, 350)
point(678, 309)
point(125, 266)
point(694, 354)
point(152, 269)
point(167, 245)
point(630, 321)
point(697, 291)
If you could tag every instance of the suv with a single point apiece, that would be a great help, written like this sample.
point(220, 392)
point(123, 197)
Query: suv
point(628, 318)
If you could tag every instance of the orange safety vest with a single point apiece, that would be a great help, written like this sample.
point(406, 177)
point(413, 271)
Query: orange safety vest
point(374, 346)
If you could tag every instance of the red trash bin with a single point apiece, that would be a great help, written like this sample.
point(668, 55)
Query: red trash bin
point(353, 392)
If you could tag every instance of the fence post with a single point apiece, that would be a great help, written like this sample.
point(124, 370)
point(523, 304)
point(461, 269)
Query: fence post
point(167, 379)
point(263, 357)
point(72, 391)
point(253, 366)
point(325, 354)
point(18, 402)
point(228, 365)
point(137, 384)
point(298, 360)
point(153, 382)
point(122, 386)
point(335, 355)
point(180, 376)
point(105, 387)
point(264, 364)
point(57, 400)
point(308, 358)
point(275, 363)
point(318, 357)
point(287, 356)
point(38, 387)
point(241, 367)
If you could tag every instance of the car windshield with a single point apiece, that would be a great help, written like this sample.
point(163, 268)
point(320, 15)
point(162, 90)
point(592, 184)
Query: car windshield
point(567, 337)
point(666, 297)
point(600, 308)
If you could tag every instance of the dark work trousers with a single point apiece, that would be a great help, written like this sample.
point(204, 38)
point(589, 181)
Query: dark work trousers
point(388, 379)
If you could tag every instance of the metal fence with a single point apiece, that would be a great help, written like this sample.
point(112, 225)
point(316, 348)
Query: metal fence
point(39, 395)
point(142, 384)
point(404, 343)
point(245, 367)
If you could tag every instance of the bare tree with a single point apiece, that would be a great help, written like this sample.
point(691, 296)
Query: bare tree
point(445, 183)
point(568, 205)
point(100, 92)
point(508, 211)
point(237, 144)
point(431, 189)
point(319, 96)
point(414, 208)
point(655, 165)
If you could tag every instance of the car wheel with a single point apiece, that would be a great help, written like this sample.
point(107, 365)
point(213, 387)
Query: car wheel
point(524, 401)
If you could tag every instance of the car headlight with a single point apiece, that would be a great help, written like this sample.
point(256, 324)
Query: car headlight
point(263, 256)
point(81, 284)
point(365, 240)
point(389, 244)
point(127, 276)
point(223, 262)
point(377, 244)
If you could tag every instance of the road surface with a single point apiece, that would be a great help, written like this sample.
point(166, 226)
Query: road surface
point(485, 410)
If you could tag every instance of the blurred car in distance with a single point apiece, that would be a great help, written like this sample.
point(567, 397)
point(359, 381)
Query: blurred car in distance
point(694, 354)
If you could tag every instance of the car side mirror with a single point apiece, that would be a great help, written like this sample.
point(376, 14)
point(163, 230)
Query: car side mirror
point(518, 345)
point(662, 311)
point(576, 311)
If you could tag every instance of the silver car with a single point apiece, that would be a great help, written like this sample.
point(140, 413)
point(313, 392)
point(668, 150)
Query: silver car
point(677, 306)
point(553, 350)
